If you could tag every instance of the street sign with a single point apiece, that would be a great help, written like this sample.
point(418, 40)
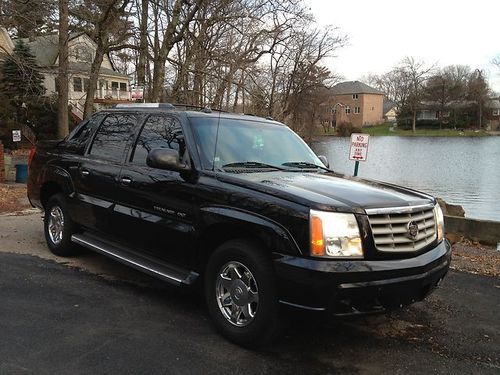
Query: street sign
point(359, 146)
point(16, 135)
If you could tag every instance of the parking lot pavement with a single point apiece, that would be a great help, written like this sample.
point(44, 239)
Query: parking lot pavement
point(92, 315)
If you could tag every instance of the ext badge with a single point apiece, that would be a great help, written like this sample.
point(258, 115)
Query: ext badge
point(412, 230)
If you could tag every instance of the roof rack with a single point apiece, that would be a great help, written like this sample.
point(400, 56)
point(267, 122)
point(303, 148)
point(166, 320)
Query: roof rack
point(145, 105)
point(205, 109)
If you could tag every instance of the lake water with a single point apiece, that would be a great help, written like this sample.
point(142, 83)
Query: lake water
point(464, 171)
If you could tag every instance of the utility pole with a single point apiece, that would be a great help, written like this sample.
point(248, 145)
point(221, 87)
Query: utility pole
point(62, 76)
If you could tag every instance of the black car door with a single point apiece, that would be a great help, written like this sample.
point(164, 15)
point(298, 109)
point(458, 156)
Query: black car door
point(74, 152)
point(156, 205)
point(97, 175)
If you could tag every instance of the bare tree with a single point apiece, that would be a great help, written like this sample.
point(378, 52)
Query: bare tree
point(447, 86)
point(478, 91)
point(415, 73)
point(178, 15)
point(106, 23)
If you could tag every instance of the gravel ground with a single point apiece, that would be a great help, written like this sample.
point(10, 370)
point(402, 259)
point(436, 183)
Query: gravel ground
point(13, 198)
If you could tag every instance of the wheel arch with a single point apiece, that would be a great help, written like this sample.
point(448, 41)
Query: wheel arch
point(57, 180)
point(223, 224)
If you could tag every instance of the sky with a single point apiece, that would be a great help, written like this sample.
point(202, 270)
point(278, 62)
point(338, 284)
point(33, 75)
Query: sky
point(442, 32)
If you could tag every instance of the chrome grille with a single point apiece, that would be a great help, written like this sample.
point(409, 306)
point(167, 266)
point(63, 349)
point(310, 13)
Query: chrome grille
point(390, 229)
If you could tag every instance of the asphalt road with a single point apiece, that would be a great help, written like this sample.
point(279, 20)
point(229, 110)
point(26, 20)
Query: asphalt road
point(93, 316)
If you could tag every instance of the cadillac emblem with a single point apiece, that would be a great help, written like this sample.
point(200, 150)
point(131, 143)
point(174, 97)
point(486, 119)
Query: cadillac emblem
point(412, 230)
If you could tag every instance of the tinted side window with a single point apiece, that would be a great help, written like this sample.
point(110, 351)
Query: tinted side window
point(83, 133)
point(112, 136)
point(158, 132)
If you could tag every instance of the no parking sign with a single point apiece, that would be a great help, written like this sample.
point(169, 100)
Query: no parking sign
point(359, 149)
point(359, 146)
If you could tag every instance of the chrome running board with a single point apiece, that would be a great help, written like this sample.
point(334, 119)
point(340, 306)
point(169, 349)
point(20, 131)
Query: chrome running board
point(153, 267)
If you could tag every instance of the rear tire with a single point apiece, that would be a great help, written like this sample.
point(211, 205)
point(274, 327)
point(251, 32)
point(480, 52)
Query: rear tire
point(241, 293)
point(58, 227)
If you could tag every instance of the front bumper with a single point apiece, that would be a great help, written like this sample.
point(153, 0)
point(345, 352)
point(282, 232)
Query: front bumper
point(346, 287)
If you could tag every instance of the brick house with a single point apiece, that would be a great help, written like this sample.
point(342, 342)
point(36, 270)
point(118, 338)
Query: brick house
point(357, 103)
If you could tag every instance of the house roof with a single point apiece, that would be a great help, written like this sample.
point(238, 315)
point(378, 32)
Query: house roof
point(46, 47)
point(388, 105)
point(85, 68)
point(46, 50)
point(354, 87)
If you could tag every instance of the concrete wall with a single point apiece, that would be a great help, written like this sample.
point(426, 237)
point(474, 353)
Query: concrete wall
point(484, 231)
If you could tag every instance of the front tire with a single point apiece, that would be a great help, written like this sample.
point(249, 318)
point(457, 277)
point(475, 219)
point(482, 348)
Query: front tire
point(241, 293)
point(58, 226)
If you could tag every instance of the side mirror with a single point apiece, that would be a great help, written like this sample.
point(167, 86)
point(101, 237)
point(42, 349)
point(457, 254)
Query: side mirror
point(165, 158)
point(324, 160)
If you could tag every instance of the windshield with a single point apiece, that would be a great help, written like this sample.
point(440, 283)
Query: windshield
point(248, 142)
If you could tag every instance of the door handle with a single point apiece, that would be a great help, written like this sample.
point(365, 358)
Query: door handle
point(125, 180)
point(84, 172)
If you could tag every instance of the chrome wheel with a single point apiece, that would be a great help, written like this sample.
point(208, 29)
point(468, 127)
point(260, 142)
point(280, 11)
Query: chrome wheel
point(237, 293)
point(56, 225)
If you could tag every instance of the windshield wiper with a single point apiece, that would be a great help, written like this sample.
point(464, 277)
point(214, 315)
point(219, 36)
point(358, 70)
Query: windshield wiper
point(304, 165)
point(252, 164)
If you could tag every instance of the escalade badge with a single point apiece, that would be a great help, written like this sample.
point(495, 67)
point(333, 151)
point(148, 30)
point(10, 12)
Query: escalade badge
point(412, 230)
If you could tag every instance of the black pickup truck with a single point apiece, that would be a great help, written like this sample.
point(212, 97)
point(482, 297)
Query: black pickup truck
point(241, 205)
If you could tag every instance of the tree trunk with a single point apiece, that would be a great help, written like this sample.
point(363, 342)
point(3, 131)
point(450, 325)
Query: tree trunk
point(94, 76)
point(414, 123)
point(143, 44)
point(158, 79)
point(62, 77)
point(480, 115)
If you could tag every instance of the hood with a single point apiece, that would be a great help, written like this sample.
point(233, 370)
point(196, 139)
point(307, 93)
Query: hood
point(329, 191)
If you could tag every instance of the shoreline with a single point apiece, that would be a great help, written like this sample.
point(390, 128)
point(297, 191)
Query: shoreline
point(384, 130)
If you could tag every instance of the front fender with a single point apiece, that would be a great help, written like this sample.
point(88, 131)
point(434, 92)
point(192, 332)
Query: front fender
point(273, 234)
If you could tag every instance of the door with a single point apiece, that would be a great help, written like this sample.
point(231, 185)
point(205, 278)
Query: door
point(156, 205)
point(97, 176)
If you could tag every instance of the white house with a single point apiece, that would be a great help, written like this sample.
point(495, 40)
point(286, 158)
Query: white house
point(112, 86)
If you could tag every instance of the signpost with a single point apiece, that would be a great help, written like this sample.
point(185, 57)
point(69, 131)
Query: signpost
point(16, 135)
point(359, 149)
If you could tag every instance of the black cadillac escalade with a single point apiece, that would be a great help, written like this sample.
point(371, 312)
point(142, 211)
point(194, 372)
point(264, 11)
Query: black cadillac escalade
point(242, 205)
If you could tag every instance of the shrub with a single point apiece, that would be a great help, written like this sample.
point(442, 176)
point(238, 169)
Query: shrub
point(345, 129)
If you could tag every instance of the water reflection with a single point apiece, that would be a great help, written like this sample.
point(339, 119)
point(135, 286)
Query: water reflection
point(463, 171)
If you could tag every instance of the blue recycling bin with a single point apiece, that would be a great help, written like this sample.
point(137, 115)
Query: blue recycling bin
point(22, 173)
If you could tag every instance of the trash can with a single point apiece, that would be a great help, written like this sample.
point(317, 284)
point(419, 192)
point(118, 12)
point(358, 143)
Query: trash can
point(22, 173)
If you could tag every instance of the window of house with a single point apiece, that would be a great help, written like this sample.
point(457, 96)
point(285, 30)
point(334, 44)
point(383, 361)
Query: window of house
point(123, 86)
point(373, 108)
point(111, 138)
point(114, 86)
point(357, 110)
point(158, 132)
point(355, 96)
point(77, 84)
point(496, 112)
point(347, 109)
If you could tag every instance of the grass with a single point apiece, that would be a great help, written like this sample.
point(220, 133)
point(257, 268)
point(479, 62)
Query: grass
point(384, 130)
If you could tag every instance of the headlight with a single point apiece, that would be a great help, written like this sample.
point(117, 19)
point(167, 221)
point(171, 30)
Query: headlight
point(334, 235)
point(438, 214)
